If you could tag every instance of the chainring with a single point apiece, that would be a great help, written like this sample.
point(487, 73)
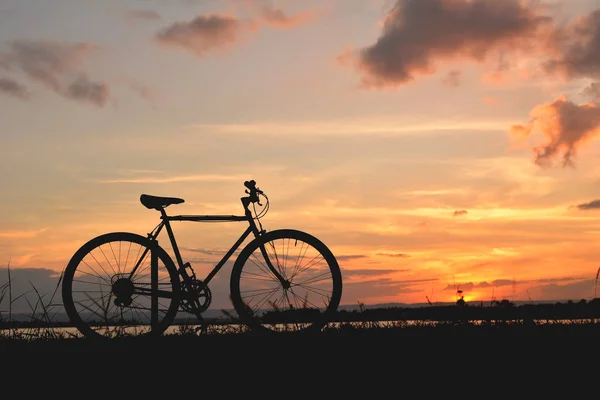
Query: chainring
point(196, 296)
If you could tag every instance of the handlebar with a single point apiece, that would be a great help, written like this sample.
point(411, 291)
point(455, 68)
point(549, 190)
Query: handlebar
point(252, 186)
point(253, 191)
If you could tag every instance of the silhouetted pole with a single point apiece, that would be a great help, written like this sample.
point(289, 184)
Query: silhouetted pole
point(154, 285)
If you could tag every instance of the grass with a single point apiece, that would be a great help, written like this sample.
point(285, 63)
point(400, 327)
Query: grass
point(394, 325)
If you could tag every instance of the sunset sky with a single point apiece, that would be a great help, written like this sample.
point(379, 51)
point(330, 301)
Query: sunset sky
point(431, 144)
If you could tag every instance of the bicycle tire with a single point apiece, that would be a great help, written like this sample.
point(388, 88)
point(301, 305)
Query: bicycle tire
point(252, 286)
point(96, 278)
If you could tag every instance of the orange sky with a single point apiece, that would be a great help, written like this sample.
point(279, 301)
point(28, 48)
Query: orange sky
point(432, 145)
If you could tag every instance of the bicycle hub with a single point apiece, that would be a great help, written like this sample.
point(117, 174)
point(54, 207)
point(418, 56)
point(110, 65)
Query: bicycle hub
point(123, 289)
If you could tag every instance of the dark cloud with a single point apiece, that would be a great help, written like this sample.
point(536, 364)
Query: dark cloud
point(349, 257)
point(592, 92)
point(592, 205)
point(13, 88)
point(56, 66)
point(458, 213)
point(467, 286)
point(29, 287)
point(395, 255)
point(149, 15)
point(579, 47)
point(418, 34)
point(87, 91)
point(580, 289)
point(565, 126)
point(204, 33)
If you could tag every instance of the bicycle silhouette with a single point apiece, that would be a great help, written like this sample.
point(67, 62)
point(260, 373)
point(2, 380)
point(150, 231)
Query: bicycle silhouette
point(122, 283)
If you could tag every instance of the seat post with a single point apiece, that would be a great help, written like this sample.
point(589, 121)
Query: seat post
point(163, 213)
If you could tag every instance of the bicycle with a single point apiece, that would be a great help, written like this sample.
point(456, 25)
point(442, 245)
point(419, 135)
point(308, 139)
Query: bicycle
point(283, 280)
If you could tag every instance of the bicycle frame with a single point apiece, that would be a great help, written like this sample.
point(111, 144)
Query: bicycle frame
point(166, 223)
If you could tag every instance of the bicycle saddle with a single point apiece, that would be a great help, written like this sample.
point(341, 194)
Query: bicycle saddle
point(157, 202)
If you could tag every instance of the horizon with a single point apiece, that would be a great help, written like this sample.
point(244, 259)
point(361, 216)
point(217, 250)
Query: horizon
point(435, 146)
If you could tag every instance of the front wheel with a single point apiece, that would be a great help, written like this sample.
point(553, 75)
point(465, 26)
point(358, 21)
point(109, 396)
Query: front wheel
point(121, 284)
point(301, 297)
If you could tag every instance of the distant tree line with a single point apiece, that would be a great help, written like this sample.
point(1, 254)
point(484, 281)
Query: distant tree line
point(496, 310)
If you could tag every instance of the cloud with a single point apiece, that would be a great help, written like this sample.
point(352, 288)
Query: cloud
point(565, 126)
point(452, 79)
point(353, 273)
point(417, 35)
point(21, 234)
point(13, 88)
point(179, 178)
point(204, 33)
point(375, 289)
point(467, 286)
point(87, 91)
point(592, 92)
point(350, 257)
point(24, 284)
point(579, 48)
point(395, 255)
point(57, 66)
point(567, 291)
point(137, 14)
point(594, 204)
point(275, 17)
point(458, 213)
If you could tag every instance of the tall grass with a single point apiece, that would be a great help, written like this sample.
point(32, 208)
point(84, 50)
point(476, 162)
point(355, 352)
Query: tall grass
point(43, 310)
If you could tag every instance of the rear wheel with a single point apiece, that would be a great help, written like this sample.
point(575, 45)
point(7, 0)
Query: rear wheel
point(306, 298)
point(110, 289)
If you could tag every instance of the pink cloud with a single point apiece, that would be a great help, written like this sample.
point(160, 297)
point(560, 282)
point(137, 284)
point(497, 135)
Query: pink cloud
point(57, 66)
point(277, 18)
point(565, 126)
point(13, 88)
point(204, 33)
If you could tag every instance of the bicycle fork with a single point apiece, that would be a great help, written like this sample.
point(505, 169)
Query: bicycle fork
point(284, 282)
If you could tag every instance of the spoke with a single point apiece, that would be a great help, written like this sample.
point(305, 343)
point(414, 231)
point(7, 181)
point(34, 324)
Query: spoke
point(276, 258)
point(266, 298)
point(305, 299)
point(269, 278)
point(141, 267)
point(96, 303)
point(318, 278)
point(317, 291)
point(127, 257)
point(117, 261)
point(94, 271)
point(106, 283)
point(310, 264)
point(106, 258)
point(261, 267)
point(302, 253)
point(286, 255)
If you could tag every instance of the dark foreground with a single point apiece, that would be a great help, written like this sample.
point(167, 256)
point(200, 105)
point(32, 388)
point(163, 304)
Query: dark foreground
point(371, 340)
